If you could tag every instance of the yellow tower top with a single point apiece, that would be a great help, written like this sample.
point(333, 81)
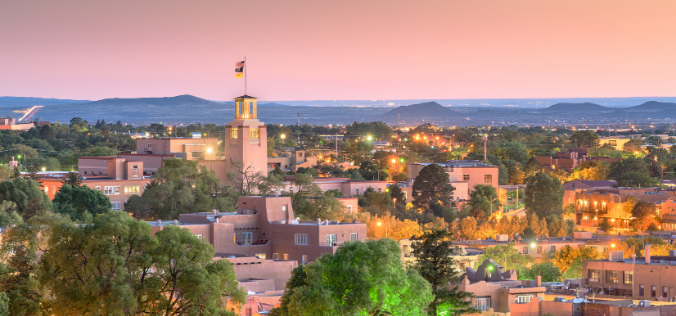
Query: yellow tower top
point(246, 108)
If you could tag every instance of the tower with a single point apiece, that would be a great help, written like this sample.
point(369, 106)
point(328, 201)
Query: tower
point(246, 137)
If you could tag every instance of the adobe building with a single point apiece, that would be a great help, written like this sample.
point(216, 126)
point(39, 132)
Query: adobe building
point(291, 162)
point(188, 148)
point(347, 186)
point(264, 227)
point(650, 277)
point(500, 291)
point(118, 178)
point(592, 205)
point(463, 174)
point(10, 123)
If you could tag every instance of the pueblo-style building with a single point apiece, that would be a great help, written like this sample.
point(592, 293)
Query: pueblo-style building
point(463, 174)
point(264, 227)
point(649, 277)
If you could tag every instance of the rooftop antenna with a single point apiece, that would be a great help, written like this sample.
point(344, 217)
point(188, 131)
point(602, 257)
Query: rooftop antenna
point(298, 121)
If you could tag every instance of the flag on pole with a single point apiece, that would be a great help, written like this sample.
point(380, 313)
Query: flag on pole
point(239, 71)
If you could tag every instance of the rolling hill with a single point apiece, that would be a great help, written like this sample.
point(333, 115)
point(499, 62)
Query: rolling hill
point(431, 110)
point(576, 107)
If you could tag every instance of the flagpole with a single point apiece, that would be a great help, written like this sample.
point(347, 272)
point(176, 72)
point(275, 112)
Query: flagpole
point(244, 70)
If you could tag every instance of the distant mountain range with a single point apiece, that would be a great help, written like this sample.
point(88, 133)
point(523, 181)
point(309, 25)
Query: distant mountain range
point(191, 109)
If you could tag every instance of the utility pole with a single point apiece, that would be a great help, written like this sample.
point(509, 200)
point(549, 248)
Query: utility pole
point(485, 139)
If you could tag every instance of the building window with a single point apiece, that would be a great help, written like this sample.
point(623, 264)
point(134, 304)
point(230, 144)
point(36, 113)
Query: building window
point(286, 256)
point(628, 277)
point(331, 239)
point(301, 239)
point(254, 133)
point(111, 190)
point(594, 275)
point(380, 190)
point(247, 238)
point(233, 133)
point(539, 250)
point(553, 248)
point(304, 259)
point(199, 237)
point(482, 303)
point(525, 250)
point(354, 237)
point(132, 189)
point(665, 292)
point(275, 256)
point(653, 291)
point(465, 177)
point(640, 290)
point(135, 177)
point(260, 255)
point(611, 276)
point(349, 209)
point(405, 195)
point(135, 167)
point(522, 299)
point(357, 190)
point(116, 205)
point(488, 179)
point(248, 311)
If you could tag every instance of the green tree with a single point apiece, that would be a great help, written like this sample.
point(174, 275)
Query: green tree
point(485, 198)
point(114, 266)
point(434, 261)
point(397, 194)
point(73, 179)
point(80, 202)
point(325, 206)
point(27, 195)
point(631, 171)
point(547, 270)
point(508, 257)
point(4, 303)
point(179, 187)
point(543, 194)
point(584, 138)
point(361, 278)
point(432, 186)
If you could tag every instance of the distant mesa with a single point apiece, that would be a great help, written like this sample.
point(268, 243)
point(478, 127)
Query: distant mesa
point(420, 110)
point(181, 100)
point(575, 107)
point(653, 106)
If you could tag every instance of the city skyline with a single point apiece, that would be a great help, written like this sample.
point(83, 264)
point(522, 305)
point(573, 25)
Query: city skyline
point(301, 50)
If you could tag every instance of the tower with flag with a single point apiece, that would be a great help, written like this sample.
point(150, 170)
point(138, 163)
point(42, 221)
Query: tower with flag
point(246, 136)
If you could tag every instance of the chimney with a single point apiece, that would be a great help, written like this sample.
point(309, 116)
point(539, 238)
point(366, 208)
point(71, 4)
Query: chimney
point(218, 219)
point(647, 253)
point(159, 222)
point(176, 222)
point(633, 258)
point(538, 280)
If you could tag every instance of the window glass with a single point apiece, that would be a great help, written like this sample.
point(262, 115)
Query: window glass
point(301, 239)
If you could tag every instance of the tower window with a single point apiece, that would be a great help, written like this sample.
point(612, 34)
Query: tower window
point(233, 133)
point(254, 133)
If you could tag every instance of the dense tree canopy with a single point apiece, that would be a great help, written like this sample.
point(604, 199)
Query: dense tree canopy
point(361, 278)
point(116, 267)
point(80, 202)
point(181, 186)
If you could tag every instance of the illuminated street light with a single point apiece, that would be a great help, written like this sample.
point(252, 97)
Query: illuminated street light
point(44, 169)
point(369, 138)
point(394, 160)
point(283, 136)
point(532, 245)
point(209, 150)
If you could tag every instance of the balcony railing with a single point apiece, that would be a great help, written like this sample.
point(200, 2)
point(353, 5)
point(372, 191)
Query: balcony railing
point(334, 244)
point(234, 141)
point(254, 141)
point(251, 242)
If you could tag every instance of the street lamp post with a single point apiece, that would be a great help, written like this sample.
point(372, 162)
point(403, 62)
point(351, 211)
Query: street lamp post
point(380, 224)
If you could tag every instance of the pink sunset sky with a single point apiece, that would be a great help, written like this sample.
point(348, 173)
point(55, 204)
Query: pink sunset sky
point(338, 49)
